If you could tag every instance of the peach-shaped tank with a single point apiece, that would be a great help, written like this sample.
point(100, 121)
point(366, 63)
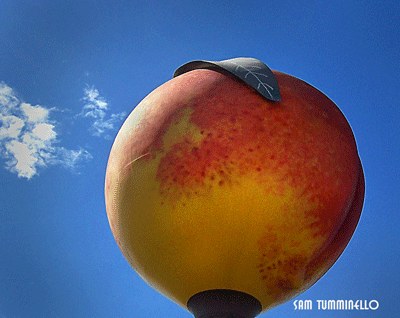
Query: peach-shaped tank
point(210, 186)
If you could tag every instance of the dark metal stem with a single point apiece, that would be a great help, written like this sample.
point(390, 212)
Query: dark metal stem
point(223, 303)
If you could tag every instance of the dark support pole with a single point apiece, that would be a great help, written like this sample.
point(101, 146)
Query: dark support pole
point(223, 303)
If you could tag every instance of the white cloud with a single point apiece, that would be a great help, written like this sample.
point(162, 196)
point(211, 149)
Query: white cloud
point(11, 126)
point(95, 101)
point(34, 113)
point(28, 138)
point(44, 131)
point(95, 109)
point(22, 158)
point(7, 97)
point(69, 158)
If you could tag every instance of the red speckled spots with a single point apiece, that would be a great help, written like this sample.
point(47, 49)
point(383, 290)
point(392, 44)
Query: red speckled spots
point(294, 264)
point(283, 259)
point(284, 284)
point(282, 275)
point(296, 141)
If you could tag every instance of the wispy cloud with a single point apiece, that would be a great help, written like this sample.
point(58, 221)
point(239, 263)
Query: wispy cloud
point(96, 110)
point(28, 137)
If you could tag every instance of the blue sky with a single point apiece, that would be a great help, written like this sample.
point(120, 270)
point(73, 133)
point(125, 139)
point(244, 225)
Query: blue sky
point(71, 71)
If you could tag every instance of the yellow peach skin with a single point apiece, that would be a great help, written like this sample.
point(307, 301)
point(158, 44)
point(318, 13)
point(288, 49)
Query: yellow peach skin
point(211, 186)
